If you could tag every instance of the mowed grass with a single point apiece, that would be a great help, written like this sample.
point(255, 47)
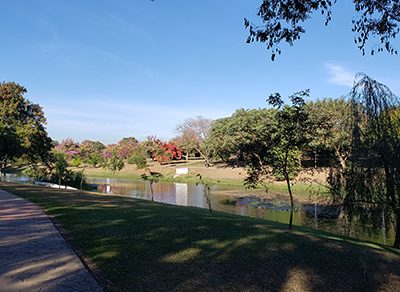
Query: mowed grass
point(139, 245)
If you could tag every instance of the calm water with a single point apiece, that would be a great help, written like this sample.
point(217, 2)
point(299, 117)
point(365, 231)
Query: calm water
point(235, 200)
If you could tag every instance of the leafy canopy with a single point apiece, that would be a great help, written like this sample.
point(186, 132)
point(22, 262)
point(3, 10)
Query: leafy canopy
point(22, 127)
point(282, 21)
point(370, 182)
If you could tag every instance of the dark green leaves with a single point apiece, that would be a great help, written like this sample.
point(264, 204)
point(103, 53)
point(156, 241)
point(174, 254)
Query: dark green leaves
point(282, 22)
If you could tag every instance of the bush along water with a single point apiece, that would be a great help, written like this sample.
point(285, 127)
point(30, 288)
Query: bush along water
point(66, 178)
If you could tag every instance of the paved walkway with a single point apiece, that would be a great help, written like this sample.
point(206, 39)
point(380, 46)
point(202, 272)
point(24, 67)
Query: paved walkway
point(33, 255)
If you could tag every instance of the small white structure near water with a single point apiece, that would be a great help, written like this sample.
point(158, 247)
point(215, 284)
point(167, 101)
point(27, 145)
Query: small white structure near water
point(54, 186)
point(181, 171)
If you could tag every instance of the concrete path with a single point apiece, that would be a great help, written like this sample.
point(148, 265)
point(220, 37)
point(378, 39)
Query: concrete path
point(33, 255)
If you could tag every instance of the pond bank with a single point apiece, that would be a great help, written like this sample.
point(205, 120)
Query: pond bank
point(139, 245)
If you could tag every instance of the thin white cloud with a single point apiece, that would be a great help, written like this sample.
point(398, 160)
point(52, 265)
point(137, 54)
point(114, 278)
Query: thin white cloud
point(339, 75)
point(110, 120)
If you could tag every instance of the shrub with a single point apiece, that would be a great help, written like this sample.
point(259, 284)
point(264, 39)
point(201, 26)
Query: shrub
point(75, 161)
point(138, 159)
point(72, 179)
point(37, 173)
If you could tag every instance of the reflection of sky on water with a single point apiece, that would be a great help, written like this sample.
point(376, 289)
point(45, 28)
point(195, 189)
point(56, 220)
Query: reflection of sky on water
point(183, 194)
point(14, 178)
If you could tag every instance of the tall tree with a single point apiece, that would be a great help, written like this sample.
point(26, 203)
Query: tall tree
point(22, 127)
point(60, 166)
point(268, 142)
point(332, 122)
point(371, 180)
point(292, 136)
point(193, 133)
point(282, 21)
point(243, 137)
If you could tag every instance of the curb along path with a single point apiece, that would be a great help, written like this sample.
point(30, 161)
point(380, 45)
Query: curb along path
point(33, 255)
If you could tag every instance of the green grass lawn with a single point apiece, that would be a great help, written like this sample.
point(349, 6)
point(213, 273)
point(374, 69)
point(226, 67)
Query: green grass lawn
point(139, 245)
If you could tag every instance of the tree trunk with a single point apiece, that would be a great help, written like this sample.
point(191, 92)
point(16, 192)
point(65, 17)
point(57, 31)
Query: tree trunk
point(82, 178)
point(209, 200)
point(207, 162)
point(59, 182)
point(397, 235)
point(342, 160)
point(315, 159)
point(113, 188)
point(2, 166)
point(151, 190)
point(291, 201)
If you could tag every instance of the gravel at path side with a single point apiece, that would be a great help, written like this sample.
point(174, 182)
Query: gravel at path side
point(33, 255)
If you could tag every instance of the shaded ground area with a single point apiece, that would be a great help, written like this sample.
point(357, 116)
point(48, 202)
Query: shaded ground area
point(140, 245)
point(33, 255)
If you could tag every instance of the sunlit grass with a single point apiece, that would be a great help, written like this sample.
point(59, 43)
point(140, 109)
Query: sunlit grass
point(139, 245)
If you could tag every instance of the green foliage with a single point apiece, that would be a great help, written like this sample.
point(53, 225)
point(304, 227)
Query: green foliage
point(292, 136)
point(38, 173)
point(243, 137)
point(58, 173)
point(138, 159)
point(265, 141)
point(91, 152)
point(60, 166)
point(152, 177)
point(282, 21)
point(75, 161)
point(95, 159)
point(332, 123)
point(206, 185)
point(370, 182)
point(22, 127)
point(114, 163)
point(72, 179)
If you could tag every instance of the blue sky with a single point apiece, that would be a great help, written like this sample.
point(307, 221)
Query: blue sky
point(105, 69)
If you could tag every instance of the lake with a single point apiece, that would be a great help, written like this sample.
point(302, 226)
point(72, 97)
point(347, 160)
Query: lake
point(235, 200)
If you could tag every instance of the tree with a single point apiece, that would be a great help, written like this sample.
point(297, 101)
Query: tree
point(193, 133)
point(91, 152)
point(126, 147)
point(268, 142)
point(243, 137)
point(293, 134)
point(332, 122)
point(138, 157)
point(113, 163)
point(163, 152)
point(10, 146)
point(282, 22)
point(370, 183)
point(152, 177)
point(60, 166)
point(206, 186)
point(22, 127)
point(70, 148)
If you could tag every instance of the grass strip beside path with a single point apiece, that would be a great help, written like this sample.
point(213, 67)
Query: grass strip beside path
point(140, 245)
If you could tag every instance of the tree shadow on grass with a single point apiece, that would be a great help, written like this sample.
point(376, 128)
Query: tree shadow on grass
point(139, 245)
